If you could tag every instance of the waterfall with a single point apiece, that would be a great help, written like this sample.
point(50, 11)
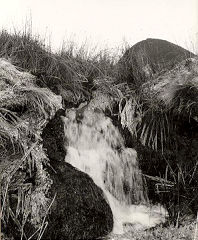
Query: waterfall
point(96, 147)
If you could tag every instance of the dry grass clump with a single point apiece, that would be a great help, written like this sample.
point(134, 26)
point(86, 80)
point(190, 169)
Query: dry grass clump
point(163, 118)
point(69, 72)
point(151, 112)
point(24, 111)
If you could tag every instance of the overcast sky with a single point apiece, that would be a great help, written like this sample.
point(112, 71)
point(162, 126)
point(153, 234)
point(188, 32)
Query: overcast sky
point(106, 22)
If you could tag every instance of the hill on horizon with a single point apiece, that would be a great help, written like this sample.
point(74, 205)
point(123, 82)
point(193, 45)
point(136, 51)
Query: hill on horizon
point(149, 57)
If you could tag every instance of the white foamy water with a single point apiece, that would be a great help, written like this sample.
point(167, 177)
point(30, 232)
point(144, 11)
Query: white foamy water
point(96, 147)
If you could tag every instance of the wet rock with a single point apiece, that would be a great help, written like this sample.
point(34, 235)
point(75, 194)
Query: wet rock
point(54, 138)
point(80, 210)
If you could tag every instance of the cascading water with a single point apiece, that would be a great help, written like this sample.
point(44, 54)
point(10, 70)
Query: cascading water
point(96, 147)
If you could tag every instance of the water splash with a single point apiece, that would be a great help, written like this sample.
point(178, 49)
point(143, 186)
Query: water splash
point(96, 147)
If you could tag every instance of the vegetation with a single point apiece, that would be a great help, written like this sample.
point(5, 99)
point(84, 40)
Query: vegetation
point(160, 115)
point(69, 73)
point(24, 111)
point(163, 118)
point(186, 232)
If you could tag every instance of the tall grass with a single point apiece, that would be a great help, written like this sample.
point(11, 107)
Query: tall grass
point(69, 72)
point(162, 117)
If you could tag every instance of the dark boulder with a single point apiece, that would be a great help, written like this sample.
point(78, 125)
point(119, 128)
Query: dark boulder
point(54, 138)
point(80, 210)
point(149, 57)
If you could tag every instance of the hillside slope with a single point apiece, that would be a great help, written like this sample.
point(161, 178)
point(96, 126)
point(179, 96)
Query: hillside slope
point(149, 57)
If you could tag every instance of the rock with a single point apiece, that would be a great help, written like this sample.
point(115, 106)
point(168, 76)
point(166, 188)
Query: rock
point(149, 57)
point(54, 138)
point(80, 210)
